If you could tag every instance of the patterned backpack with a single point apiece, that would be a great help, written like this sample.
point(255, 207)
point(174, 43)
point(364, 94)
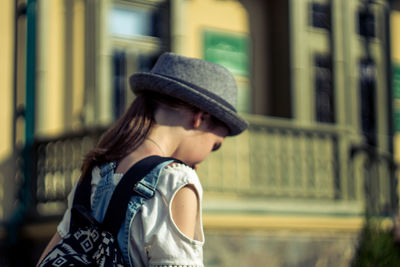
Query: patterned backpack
point(89, 242)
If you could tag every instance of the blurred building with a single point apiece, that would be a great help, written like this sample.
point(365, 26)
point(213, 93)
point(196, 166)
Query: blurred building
point(318, 81)
point(395, 56)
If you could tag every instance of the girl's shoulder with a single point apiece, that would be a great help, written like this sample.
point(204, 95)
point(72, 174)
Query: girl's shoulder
point(179, 167)
point(176, 175)
point(179, 171)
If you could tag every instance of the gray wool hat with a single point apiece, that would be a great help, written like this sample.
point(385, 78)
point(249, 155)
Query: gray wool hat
point(202, 84)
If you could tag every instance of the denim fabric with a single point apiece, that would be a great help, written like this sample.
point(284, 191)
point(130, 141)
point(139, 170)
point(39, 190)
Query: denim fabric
point(145, 189)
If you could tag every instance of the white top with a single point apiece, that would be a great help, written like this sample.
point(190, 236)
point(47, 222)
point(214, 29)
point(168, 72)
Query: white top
point(155, 240)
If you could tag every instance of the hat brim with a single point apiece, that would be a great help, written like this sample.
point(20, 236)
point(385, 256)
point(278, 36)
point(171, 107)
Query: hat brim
point(165, 85)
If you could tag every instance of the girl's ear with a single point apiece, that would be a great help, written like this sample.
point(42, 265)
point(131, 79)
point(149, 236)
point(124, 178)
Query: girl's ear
point(196, 119)
point(199, 118)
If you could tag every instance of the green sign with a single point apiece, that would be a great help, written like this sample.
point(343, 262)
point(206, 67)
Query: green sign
point(397, 121)
point(227, 49)
point(396, 81)
point(396, 95)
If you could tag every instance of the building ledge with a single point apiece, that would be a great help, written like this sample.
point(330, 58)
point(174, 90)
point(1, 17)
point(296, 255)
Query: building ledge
point(224, 213)
point(281, 206)
point(256, 222)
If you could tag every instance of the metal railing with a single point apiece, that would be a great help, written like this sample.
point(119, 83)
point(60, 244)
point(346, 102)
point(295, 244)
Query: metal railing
point(274, 158)
point(57, 167)
point(375, 180)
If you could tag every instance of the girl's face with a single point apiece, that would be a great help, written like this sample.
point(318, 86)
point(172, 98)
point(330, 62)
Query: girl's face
point(195, 149)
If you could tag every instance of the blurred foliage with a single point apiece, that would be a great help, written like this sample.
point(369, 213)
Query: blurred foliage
point(377, 247)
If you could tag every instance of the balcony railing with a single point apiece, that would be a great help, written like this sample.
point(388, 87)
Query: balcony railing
point(57, 168)
point(274, 159)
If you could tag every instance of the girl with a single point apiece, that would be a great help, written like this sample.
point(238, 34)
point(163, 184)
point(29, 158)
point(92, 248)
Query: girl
point(184, 108)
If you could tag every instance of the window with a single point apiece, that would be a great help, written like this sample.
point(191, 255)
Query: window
point(321, 15)
point(324, 101)
point(366, 23)
point(119, 82)
point(367, 98)
point(130, 22)
point(138, 33)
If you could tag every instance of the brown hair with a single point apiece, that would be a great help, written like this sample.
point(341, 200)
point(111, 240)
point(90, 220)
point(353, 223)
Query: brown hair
point(131, 129)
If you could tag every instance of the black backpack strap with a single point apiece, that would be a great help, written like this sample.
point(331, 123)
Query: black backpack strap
point(82, 192)
point(81, 208)
point(80, 211)
point(125, 189)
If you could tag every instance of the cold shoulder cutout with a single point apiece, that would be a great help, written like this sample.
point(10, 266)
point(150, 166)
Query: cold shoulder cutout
point(155, 239)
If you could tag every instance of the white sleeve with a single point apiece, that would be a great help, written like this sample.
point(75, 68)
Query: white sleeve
point(161, 242)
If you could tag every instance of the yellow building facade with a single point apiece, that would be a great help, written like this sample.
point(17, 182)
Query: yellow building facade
point(6, 96)
point(290, 190)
